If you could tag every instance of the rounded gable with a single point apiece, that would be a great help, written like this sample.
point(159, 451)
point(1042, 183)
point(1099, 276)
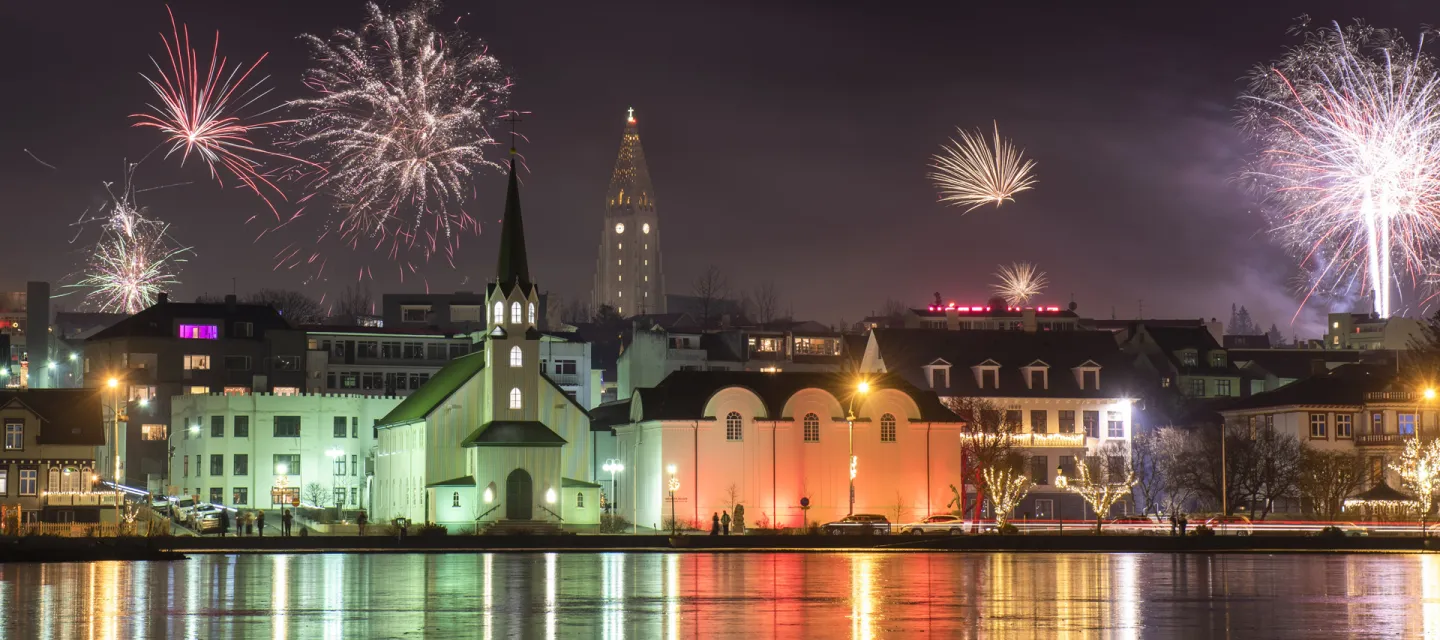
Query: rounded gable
point(735, 398)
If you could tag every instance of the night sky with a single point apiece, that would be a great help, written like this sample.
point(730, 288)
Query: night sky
point(786, 141)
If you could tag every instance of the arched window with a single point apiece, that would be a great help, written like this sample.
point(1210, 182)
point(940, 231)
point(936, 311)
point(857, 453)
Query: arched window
point(499, 312)
point(515, 313)
point(887, 428)
point(579, 501)
point(734, 427)
point(812, 427)
point(455, 499)
point(532, 313)
point(515, 398)
point(516, 359)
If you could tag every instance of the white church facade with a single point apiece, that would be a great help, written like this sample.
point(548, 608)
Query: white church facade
point(489, 439)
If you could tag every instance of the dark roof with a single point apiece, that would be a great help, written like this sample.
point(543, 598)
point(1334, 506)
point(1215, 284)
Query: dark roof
point(607, 415)
point(444, 383)
point(565, 336)
point(1261, 341)
point(1171, 340)
point(682, 395)
point(158, 321)
point(350, 328)
point(1292, 363)
point(571, 483)
point(678, 322)
point(907, 351)
point(513, 433)
point(69, 416)
point(465, 481)
point(1346, 385)
point(1384, 492)
point(513, 268)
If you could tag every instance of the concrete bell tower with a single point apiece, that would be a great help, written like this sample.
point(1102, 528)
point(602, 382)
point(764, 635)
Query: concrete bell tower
point(627, 273)
point(512, 346)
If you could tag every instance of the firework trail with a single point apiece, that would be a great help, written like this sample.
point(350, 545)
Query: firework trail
point(1347, 125)
point(135, 258)
point(970, 171)
point(1019, 283)
point(400, 122)
point(200, 113)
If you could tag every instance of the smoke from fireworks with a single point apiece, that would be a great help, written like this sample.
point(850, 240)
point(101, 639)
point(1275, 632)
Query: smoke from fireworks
point(135, 259)
point(970, 171)
point(1020, 282)
point(200, 112)
point(401, 122)
point(1347, 130)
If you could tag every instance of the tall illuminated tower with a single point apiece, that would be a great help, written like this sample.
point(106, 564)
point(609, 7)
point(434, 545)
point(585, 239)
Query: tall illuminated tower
point(627, 273)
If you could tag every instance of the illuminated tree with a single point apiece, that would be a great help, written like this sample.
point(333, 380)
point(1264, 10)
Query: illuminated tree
point(1419, 469)
point(1007, 489)
point(1102, 481)
point(988, 442)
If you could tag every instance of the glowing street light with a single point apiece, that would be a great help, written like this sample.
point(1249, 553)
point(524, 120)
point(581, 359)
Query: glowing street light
point(1429, 393)
point(613, 466)
point(337, 456)
point(861, 389)
point(112, 382)
point(674, 486)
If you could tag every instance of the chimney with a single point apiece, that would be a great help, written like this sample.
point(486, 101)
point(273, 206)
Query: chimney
point(230, 303)
point(162, 298)
point(1027, 320)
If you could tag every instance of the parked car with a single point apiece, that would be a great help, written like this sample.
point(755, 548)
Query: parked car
point(160, 504)
point(859, 524)
point(205, 517)
point(943, 524)
point(180, 509)
point(1231, 525)
point(1131, 523)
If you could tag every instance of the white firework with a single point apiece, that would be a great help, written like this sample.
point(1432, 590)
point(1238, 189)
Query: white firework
point(1019, 283)
point(971, 171)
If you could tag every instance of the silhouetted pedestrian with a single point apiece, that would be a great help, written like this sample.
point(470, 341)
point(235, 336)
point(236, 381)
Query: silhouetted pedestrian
point(1174, 524)
point(725, 523)
point(224, 521)
point(260, 522)
point(1184, 522)
point(715, 525)
point(285, 522)
point(362, 521)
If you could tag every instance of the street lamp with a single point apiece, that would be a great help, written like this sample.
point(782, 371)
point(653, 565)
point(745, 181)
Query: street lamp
point(1060, 483)
point(674, 486)
point(613, 466)
point(860, 389)
point(114, 385)
point(337, 457)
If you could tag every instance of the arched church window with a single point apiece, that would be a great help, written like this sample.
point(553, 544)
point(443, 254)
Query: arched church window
point(812, 427)
point(532, 312)
point(516, 358)
point(579, 501)
point(887, 427)
point(499, 312)
point(515, 313)
point(734, 427)
point(455, 499)
point(515, 398)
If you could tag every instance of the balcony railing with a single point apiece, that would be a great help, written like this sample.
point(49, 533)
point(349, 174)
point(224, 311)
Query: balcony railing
point(565, 379)
point(1382, 439)
point(1052, 440)
point(79, 499)
point(1392, 396)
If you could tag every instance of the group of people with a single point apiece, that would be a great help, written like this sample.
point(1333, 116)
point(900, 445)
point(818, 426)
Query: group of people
point(720, 524)
point(252, 522)
point(1178, 523)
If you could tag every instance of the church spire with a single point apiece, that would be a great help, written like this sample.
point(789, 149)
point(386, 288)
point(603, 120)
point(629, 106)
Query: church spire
point(513, 268)
point(630, 187)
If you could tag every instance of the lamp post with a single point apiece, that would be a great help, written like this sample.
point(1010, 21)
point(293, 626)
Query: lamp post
point(1060, 483)
point(613, 466)
point(114, 385)
point(337, 458)
point(860, 389)
point(674, 486)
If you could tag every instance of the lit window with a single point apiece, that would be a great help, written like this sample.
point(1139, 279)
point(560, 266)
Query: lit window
point(153, 432)
point(647, 262)
point(237, 391)
point(195, 362)
point(619, 278)
point(619, 246)
point(1318, 426)
point(619, 263)
point(515, 398)
point(619, 227)
point(199, 332)
point(619, 294)
point(516, 359)
point(515, 313)
point(197, 390)
point(734, 427)
point(531, 312)
point(887, 428)
point(645, 227)
point(499, 312)
point(286, 391)
point(812, 427)
point(14, 435)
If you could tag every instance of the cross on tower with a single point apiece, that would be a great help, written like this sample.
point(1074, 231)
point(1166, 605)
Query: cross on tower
point(514, 117)
point(632, 114)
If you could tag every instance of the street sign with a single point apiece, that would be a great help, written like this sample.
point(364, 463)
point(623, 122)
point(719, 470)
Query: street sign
point(295, 502)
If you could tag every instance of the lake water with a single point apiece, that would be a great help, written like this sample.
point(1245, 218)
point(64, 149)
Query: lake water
point(710, 595)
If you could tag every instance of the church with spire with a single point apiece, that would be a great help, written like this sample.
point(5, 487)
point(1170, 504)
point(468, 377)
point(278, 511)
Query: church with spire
point(489, 439)
point(628, 276)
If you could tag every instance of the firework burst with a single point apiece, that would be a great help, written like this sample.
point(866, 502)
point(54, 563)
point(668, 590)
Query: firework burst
point(1019, 283)
point(135, 259)
point(401, 123)
point(1347, 126)
point(971, 171)
point(199, 112)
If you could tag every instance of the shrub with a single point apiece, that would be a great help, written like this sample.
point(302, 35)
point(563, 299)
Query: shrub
point(430, 529)
point(1008, 529)
point(611, 523)
point(1203, 531)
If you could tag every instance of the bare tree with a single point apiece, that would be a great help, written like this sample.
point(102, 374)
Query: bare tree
point(297, 308)
point(1277, 468)
point(353, 302)
point(316, 494)
point(988, 442)
point(898, 509)
point(1149, 481)
point(1177, 463)
point(710, 288)
point(894, 312)
point(1328, 477)
point(1104, 479)
point(766, 299)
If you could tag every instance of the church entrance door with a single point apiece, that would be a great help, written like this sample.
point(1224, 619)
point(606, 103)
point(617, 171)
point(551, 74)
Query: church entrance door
point(519, 492)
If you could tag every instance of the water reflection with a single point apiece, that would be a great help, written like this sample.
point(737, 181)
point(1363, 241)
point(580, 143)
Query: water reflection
point(667, 595)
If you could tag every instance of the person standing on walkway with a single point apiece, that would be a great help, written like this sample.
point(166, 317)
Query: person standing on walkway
point(224, 521)
point(725, 523)
point(260, 522)
point(362, 521)
point(715, 525)
point(1184, 522)
point(285, 520)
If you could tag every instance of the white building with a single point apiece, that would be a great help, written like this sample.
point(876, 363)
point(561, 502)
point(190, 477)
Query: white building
point(490, 439)
point(367, 361)
point(783, 444)
point(1070, 393)
point(262, 450)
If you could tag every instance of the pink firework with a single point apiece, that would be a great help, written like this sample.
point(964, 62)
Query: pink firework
point(199, 112)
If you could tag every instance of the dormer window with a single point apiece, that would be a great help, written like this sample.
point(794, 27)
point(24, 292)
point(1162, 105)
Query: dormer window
point(1087, 375)
point(987, 374)
point(1217, 359)
point(1037, 375)
point(1189, 358)
point(938, 374)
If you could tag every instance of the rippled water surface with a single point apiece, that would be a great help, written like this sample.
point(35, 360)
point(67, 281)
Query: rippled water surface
point(750, 595)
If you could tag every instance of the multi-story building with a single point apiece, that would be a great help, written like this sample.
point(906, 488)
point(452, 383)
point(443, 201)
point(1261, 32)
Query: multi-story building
point(263, 450)
point(993, 315)
point(48, 466)
point(448, 313)
point(392, 361)
point(782, 445)
point(628, 276)
point(1365, 332)
point(173, 349)
point(1069, 393)
point(1187, 359)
